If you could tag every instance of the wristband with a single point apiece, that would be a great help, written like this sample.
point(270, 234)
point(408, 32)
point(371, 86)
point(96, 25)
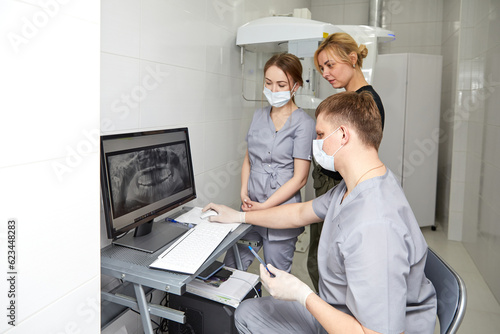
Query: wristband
point(242, 217)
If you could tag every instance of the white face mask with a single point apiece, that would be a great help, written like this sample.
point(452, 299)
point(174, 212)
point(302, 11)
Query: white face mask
point(278, 99)
point(324, 160)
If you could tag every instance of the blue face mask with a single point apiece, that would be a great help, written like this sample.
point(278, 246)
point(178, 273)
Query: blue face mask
point(278, 99)
point(324, 160)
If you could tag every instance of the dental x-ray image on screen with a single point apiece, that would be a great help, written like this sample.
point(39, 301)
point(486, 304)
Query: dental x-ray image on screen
point(140, 178)
point(145, 175)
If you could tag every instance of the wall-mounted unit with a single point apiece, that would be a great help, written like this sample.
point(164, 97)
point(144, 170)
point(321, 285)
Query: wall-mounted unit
point(302, 37)
point(272, 34)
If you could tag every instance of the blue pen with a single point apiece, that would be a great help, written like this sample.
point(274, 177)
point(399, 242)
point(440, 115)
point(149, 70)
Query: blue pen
point(171, 220)
point(260, 260)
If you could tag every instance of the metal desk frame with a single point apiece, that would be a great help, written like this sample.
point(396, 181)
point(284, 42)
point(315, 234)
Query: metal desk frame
point(132, 266)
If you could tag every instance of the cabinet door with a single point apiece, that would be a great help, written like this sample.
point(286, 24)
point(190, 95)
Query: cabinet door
point(423, 99)
point(390, 84)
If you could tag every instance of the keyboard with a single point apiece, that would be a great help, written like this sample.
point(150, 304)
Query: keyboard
point(193, 248)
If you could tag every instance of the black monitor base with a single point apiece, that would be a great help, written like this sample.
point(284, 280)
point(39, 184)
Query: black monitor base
point(161, 234)
point(143, 229)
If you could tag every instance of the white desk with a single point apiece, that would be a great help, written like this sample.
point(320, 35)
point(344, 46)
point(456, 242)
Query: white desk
point(132, 266)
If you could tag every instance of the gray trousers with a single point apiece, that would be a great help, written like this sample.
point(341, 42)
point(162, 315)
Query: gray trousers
point(267, 315)
point(279, 253)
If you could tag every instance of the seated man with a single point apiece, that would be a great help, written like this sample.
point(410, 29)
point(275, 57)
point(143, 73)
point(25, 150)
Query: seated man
point(371, 254)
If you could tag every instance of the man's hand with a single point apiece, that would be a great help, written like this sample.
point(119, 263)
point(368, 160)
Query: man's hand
point(225, 214)
point(284, 286)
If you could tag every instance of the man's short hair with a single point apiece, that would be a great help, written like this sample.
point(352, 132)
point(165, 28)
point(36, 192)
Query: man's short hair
point(358, 110)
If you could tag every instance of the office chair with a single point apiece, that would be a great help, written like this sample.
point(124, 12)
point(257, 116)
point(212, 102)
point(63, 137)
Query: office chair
point(450, 290)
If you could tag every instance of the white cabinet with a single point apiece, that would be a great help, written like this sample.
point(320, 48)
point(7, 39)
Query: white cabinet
point(410, 88)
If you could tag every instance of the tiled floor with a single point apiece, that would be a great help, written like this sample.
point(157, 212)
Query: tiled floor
point(483, 310)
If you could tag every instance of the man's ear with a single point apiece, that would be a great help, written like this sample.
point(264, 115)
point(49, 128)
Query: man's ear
point(346, 134)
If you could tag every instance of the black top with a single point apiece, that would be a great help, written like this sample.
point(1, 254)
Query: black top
point(380, 106)
point(377, 99)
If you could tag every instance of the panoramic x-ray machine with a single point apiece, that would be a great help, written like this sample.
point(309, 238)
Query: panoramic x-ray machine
point(301, 37)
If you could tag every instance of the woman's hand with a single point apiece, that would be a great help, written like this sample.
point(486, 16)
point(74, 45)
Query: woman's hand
point(245, 202)
point(253, 206)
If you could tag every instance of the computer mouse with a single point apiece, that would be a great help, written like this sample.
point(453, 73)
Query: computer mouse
point(208, 213)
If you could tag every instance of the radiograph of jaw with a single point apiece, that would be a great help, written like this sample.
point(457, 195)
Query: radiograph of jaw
point(147, 176)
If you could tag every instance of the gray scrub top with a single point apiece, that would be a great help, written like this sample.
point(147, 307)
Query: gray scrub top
point(272, 154)
point(371, 257)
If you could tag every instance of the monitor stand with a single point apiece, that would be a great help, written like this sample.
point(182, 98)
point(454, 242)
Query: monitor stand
point(161, 234)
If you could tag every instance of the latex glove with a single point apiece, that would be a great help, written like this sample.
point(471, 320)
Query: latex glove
point(225, 214)
point(284, 286)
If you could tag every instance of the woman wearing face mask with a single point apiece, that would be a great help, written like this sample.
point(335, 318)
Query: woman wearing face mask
point(277, 161)
point(339, 59)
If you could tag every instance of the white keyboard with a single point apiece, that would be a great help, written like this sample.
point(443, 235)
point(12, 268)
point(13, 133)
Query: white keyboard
point(193, 248)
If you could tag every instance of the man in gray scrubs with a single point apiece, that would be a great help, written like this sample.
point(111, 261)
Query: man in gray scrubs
point(371, 254)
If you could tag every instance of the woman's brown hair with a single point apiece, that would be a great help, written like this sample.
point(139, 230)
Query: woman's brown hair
point(289, 64)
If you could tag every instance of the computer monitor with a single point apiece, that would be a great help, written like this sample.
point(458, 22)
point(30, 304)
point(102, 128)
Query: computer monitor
point(144, 175)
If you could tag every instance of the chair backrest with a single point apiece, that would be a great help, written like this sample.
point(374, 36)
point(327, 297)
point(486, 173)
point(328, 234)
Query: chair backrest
point(450, 290)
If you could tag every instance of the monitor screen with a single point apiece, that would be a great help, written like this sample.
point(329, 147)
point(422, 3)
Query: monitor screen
point(144, 175)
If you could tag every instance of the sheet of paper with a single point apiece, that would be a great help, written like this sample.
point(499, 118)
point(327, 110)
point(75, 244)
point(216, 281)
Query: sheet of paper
point(193, 216)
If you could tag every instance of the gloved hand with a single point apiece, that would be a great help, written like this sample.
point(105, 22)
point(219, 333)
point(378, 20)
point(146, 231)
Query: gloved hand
point(225, 214)
point(284, 286)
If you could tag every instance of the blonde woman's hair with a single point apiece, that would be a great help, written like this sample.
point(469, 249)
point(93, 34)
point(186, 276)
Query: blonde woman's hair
point(341, 45)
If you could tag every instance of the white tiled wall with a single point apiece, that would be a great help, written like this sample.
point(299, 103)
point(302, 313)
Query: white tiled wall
point(450, 43)
point(417, 25)
point(340, 11)
point(478, 59)
point(182, 68)
point(49, 167)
